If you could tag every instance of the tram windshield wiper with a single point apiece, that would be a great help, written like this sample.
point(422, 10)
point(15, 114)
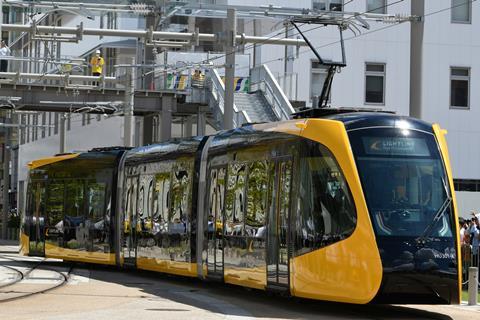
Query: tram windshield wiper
point(440, 213)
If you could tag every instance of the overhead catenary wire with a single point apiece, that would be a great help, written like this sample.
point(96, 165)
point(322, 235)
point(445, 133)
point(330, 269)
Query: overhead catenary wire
point(349, 38)
point(374, 31)
point(208, 60)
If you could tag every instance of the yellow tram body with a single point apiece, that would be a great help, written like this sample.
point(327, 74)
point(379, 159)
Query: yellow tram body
point(349, 270)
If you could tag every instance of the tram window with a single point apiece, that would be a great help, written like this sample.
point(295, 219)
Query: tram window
point(161, 202)
point(74, 198)
point(256, 198)
point(326, 213)
point(140, 203)
point(235, 202)
point(181, 191)
point(96, 201)
point(54, 205)
point(144, 202)
point(216, 201)
point(149, 199)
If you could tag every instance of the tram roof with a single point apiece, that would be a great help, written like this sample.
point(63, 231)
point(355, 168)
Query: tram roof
point(356, 118)
point(165, 150)
point(96, 153)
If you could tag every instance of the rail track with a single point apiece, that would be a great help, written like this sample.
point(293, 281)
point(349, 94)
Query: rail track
point(30, 278)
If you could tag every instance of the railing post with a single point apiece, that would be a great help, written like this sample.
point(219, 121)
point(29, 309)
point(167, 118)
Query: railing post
point(472, 286)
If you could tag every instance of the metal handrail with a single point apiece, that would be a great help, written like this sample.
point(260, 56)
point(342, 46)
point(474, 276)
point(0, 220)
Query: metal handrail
point(280, 110)
point(262, 74)
point(218, 93)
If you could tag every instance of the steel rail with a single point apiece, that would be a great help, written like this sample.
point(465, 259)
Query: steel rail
point(61, 282)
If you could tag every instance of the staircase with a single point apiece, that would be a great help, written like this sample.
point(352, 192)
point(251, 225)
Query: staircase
point(256, 106)
point(266, 102)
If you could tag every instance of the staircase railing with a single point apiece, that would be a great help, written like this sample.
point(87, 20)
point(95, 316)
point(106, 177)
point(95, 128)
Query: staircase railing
point(217, 102)
point(261, 78)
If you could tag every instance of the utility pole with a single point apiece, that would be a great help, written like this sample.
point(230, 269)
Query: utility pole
point(6, 178)
point(416, 58)
point(149, 58)
point(62, 133)
point(129, 103)
point(1, 17)
point(230, 69)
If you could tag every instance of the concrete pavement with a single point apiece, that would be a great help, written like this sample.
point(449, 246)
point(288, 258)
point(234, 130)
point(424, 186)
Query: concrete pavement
point(96, 292)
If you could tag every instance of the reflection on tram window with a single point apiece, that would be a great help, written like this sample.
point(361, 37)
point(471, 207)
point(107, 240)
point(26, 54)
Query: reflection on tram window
point(75, 233)
point(178, 243)
point(256, 199)
point(140, 204)
point(235, 202)
point(97, 224)
point(161, 202)
point(326, 211)
point(74, 202)
point(284, 199)
point(35, 216)
point(55, 204)
point(181, 191)
point(216, 201)
point(149, 201)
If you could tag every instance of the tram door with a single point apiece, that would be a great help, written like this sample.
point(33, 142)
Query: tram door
point(215, 212)
point(277, 236)
point(35, 223)
point(130, 221)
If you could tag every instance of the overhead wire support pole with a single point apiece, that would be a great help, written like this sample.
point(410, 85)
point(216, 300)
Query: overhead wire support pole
point(5, 162)
point(229, 69)
point(6, 179)
point(129, 105)
point(62, 133)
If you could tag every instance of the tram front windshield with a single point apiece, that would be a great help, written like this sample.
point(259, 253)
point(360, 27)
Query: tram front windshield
point(404, 182)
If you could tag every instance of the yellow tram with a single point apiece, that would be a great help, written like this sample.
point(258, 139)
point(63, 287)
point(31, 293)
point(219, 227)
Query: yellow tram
point(334, 205)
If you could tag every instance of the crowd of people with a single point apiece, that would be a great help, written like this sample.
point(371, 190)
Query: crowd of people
point(470, 239)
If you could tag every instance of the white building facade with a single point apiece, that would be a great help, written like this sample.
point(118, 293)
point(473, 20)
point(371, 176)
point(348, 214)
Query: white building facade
point(378, 75)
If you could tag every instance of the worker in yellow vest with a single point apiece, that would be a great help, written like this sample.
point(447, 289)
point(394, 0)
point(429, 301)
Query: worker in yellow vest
point(97, 63)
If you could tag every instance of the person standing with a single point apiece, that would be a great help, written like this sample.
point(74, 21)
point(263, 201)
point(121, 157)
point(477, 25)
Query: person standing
point(97, 63)
point(475, 235)
point(4, 51)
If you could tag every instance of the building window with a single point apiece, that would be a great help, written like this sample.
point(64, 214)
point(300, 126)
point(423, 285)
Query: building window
point(35, 127)
point(377, 6)
point(84, 119)
point(375, 83)
point(459, 87)
point(466, 185)
point(28, 128)
point(44, 123)
point(327, 5)
point(461, 11)
point(55, 124)
point(23, 128)
point(49, 124)
point(69, 122)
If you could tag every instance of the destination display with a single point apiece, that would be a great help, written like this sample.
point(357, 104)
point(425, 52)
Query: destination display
point(395, 146)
